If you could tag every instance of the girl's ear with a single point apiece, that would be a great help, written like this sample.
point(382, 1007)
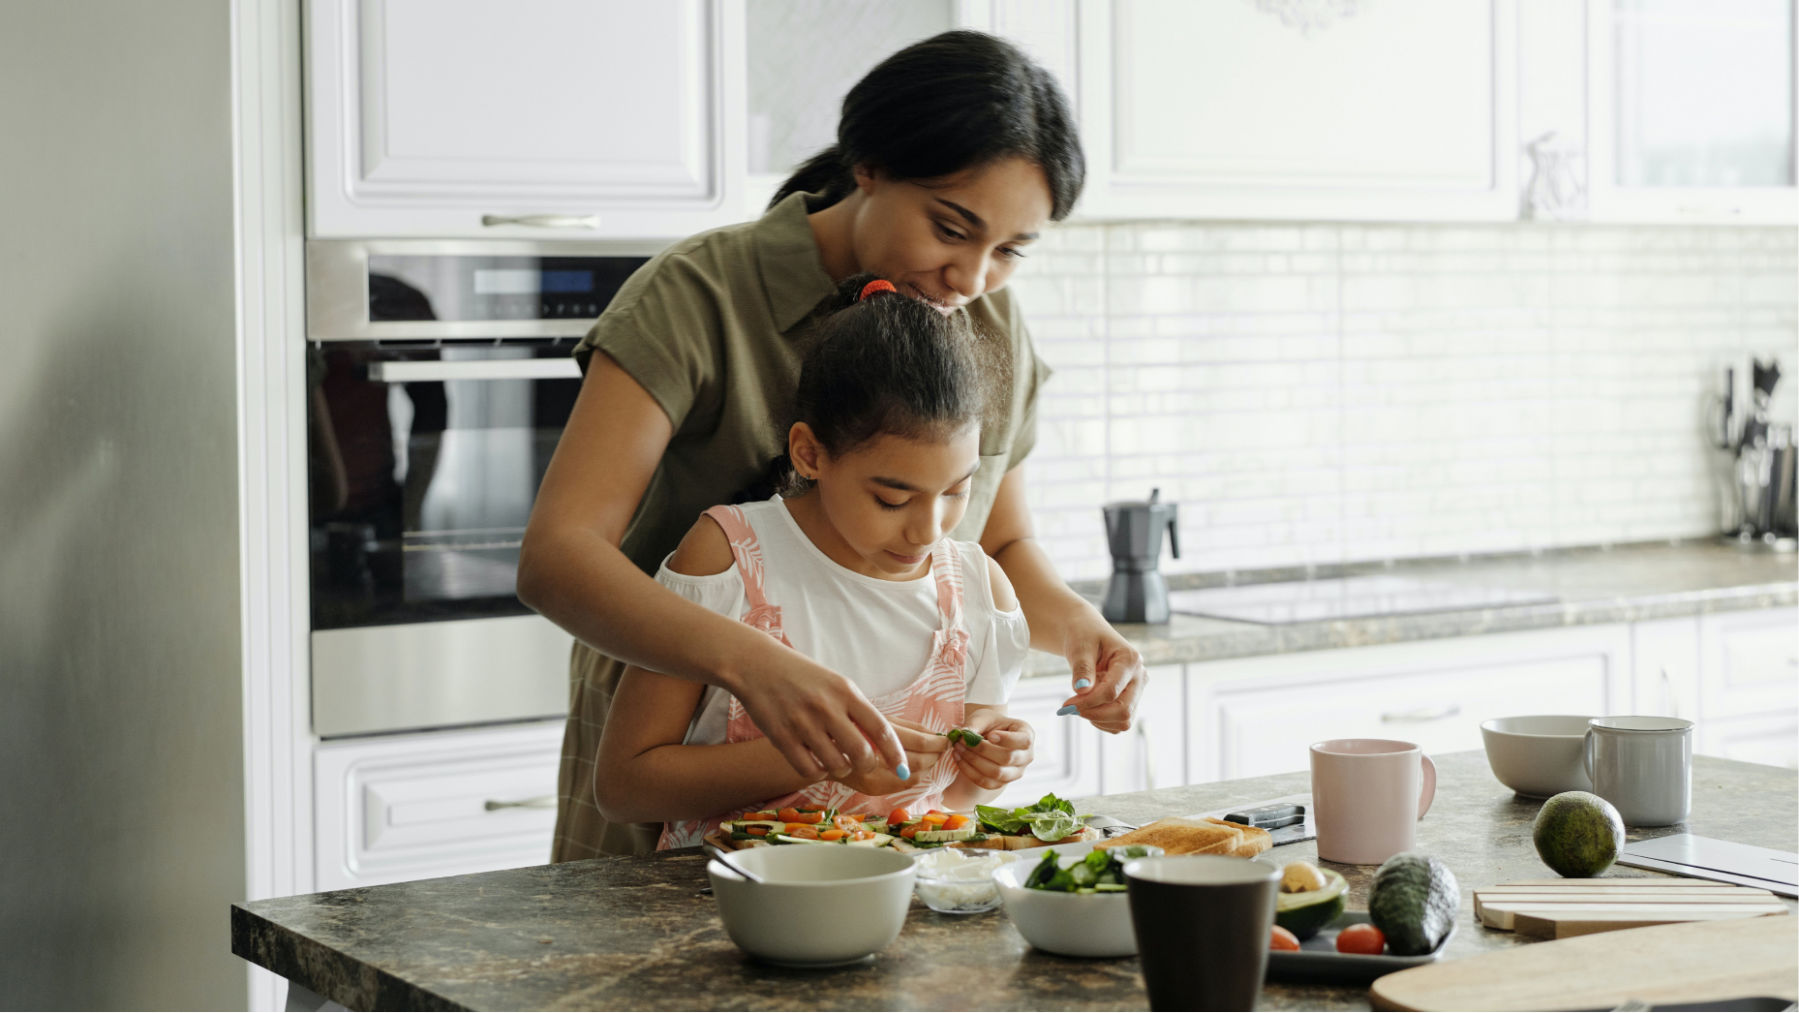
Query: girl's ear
point(805, 451)
point(866, 176)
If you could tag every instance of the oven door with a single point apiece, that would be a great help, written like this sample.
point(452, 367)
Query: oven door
point(425, 458)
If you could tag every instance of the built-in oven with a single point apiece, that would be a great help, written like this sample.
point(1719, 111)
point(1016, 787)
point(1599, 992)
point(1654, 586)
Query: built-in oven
point(439, 379)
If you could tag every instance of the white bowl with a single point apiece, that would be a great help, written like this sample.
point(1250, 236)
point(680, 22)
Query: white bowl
point(1071, 924)
point(797, 918)
point(1538, 755)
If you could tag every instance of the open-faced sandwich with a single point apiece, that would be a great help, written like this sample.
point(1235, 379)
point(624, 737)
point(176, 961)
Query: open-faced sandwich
point(1050, 820)
point(1208, 836)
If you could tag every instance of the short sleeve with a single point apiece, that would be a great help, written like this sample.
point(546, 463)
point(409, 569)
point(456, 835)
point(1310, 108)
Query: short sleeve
point(663, 331)
point(1002, 640)
point(716, 592)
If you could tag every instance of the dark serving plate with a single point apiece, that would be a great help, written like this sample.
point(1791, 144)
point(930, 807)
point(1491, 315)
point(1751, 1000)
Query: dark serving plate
point(1317, 960)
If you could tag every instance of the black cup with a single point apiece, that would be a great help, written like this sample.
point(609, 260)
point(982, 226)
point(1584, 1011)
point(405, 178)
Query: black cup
point(1202, 924)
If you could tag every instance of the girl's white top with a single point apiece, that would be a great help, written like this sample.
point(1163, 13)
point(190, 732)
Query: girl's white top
point(876, 633)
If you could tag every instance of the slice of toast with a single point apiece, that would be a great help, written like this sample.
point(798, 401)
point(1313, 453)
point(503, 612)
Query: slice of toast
point(1208, 836)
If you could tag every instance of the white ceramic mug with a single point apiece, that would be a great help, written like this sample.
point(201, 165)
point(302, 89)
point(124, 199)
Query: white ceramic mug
point(1643, 766)
point(1368, 796)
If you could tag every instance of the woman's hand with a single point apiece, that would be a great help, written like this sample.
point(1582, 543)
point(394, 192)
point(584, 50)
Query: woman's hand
point(924, 749)
point(1108, 672)
point(821, 722)
point(1004, 753)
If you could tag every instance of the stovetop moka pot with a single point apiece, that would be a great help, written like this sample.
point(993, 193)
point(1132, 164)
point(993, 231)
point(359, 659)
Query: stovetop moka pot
point(1137, 593)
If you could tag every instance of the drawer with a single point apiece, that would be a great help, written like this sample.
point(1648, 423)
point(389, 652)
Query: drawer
point(1751, 663)
point(1771, 739)
point(1259, 717)
point(435, 803)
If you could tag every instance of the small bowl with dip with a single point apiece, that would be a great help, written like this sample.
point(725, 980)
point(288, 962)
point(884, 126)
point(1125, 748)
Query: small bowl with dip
point(958, 881)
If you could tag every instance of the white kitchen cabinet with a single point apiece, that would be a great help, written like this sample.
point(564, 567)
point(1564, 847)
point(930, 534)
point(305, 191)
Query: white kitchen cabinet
point(1749, 692)
point(1153, 754)
point(523, 118)
point(1691, 114)
point(1258, 716)
point(803, 56)
point(1397, 110)
point(406, 807)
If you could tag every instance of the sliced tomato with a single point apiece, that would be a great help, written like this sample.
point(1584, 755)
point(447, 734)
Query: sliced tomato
point(935, 818)
point(756, 831)
point(956, 822)
point(909, 832)
point(849, 822)
point(792, 815)
point(804, 831)
point(766, 814)
point(1362, 938)
point(834, 834)
point(1281, 939)
point(862, 835)
point(899, 816)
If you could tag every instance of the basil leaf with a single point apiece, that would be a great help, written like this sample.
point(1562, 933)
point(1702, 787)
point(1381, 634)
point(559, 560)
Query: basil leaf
point(1054, 825)
point(1006, 821)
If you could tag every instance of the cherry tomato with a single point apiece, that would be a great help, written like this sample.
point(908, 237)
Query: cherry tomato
point(802, 831)
point(848, 822)
point(936, 818)
point(1281, 939)
point(955, 822)
point(899, 816)
point(792, 815)
point(1361, 939)
point(757, 831)
point(832, 835)
point(911, 830)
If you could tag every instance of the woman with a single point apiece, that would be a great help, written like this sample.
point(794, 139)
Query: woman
point(953, 155)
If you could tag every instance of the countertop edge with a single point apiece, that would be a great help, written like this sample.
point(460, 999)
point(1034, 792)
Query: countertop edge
point(334, 975)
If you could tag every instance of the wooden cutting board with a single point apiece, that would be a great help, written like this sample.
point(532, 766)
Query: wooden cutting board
point(1690, 962)
point(1559, 908)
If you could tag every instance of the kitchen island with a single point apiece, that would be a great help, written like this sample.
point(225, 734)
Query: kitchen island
point(637, 933)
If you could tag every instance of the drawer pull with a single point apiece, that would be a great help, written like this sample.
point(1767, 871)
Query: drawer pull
point(544, 221)
point(540, 802)
point(1420, 715)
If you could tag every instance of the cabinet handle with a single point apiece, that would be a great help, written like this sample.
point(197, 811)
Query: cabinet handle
point(544, 221)
point(1420, 715)
point(540, 802)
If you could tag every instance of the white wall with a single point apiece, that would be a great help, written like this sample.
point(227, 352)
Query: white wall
point(1316, 394)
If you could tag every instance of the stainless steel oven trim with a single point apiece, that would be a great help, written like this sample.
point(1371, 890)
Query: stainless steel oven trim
point(337, 287)
point(371, 679)
point(440, 371)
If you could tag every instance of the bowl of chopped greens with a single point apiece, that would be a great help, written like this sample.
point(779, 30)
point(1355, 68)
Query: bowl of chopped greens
point(1072, 904)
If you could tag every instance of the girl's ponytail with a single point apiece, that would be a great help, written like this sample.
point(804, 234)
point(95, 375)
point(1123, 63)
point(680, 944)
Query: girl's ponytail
point(777, 476)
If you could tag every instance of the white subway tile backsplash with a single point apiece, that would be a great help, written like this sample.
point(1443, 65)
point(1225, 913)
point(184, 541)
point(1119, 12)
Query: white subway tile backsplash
point(1321, 393)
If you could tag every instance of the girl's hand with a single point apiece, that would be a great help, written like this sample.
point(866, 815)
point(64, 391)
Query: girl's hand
point(923, 751)
point(1005, 750)
point(1109, 699)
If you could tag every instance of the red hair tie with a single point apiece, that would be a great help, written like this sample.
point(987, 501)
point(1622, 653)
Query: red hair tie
point(877, 285)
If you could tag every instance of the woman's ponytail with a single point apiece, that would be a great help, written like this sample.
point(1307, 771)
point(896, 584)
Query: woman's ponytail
point(823, 173)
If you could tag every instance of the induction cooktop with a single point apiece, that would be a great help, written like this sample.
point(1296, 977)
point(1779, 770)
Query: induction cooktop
point(1312, 601)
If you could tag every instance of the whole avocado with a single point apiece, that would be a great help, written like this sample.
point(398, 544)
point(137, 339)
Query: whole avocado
point(1414, 903)
point(1578, 834)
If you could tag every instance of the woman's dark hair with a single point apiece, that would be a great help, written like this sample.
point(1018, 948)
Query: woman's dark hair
point(954, 101)
point(885, 364)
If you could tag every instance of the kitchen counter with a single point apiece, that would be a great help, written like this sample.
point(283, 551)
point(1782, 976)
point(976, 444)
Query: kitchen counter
point(1627, 583)
point(636, 933)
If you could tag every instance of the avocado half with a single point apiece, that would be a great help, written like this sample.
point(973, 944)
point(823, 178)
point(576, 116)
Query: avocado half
point(1303, 914)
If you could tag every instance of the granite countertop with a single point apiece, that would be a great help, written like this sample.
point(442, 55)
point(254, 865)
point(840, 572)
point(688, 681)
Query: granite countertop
point(1625, 583)
point(636, 933)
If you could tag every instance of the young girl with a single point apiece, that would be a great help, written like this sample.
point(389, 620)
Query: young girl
point(855, 572)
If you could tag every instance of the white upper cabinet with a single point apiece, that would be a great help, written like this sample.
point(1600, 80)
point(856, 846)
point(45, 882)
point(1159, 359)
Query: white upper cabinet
point(1691, 110)
point(803, 56)
point(515, 118)
point(1352, 109)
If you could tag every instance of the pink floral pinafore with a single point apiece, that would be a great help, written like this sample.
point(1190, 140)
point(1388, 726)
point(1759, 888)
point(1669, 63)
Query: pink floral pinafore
point(934, 700)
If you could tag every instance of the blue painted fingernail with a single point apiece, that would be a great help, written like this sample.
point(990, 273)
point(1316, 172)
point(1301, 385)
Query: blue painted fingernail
point(1070, 709)
point(1082, 683)
point(903, 772)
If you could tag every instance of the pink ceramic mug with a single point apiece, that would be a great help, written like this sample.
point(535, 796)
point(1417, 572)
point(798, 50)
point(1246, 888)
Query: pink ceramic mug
point(1368, 796)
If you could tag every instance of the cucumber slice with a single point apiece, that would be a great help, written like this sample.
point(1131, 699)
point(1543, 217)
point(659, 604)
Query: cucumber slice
point(878, 840)
point(939, 836)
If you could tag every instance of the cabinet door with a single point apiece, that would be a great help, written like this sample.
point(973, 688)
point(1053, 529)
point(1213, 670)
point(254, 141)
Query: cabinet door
point(1153, 754)
point(509, 118)
point(1691, 110)
point(1260, 716)
point(1067, 748)
point(434, 804)
point(1396, 110)
point(1749, 666)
